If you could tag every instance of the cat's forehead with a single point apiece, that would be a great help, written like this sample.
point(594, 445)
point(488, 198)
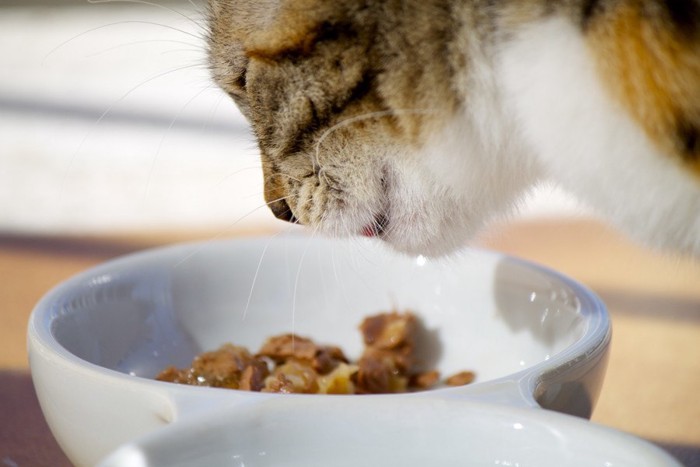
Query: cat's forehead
point(257, 20)
point(241, 12)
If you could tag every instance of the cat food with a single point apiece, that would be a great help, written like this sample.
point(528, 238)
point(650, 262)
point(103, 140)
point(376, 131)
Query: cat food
point(289, 363)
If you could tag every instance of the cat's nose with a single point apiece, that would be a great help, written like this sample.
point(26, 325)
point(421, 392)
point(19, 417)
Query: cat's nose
point(282, 211)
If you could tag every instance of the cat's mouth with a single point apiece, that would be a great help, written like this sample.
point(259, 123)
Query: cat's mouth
point(377, 228)
point(380, 223)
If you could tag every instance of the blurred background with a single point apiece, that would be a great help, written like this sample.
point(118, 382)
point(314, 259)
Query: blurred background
point(109, 122)
point(113, 139)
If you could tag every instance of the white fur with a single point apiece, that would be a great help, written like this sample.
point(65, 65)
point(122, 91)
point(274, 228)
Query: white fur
point(537, 108)
point(590, 145)
point(474, 168)
point(540, 109)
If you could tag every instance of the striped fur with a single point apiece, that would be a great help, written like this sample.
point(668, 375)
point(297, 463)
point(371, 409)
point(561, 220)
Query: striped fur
point(419, 120)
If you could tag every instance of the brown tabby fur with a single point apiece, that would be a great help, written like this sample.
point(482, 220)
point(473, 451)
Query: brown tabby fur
point(398, 70)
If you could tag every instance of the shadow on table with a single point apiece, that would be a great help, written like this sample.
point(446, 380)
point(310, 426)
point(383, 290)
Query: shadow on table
point(25, 438)
point(66, 245)
point(688, 455)
point(653, 305)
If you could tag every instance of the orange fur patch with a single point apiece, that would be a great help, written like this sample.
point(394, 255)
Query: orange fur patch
point(654, 71)
point(271, 46)
point(293, 30)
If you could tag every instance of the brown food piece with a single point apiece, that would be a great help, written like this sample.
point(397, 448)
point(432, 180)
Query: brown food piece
point(461, 378)
point(220, 368)
point(338, 381)
point(389, 356)
point(389, 330)
point(322, 358)
point(293, 364)
point(327, 358)
point(173, 375)
point(393, 335)
point(378, 373)
point(278, 383)
point(424, 380)
point(280, 348)
point(292, 377)
point(253, 377)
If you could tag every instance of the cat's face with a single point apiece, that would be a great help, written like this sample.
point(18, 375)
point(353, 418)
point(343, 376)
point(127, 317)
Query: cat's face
point(353, 116)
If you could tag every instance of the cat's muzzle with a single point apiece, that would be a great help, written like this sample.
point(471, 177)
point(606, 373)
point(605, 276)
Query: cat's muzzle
point(377, 228)
point(282, 211)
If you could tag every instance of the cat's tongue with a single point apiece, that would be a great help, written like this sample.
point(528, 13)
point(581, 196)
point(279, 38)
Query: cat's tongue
point(369, 231)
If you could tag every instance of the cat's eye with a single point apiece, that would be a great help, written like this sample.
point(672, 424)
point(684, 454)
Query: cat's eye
point(238, 69)
point(236, 91)
point(240, 80)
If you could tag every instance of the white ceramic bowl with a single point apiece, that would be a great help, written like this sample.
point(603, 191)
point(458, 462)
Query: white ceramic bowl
point(428, 431)
point(535, 339)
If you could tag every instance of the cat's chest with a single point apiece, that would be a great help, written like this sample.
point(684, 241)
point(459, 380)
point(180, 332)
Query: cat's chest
point(482, 142)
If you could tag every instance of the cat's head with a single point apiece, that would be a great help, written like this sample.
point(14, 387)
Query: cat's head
point(352, 103)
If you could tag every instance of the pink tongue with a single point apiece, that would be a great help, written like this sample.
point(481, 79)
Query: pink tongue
point(369, 231)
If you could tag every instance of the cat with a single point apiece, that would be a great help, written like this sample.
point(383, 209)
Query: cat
point(418, 121)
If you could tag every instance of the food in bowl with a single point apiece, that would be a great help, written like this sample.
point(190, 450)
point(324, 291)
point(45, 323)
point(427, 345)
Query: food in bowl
point(534, 338)
point(289, 363)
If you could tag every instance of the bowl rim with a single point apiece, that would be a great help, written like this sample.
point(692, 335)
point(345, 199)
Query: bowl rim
point(492, 418)
point(594, 339)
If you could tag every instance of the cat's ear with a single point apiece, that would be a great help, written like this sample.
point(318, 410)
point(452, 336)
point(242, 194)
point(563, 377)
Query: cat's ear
point(291, 27)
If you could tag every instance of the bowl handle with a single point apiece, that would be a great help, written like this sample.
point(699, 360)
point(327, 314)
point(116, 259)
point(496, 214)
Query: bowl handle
point(342, 432)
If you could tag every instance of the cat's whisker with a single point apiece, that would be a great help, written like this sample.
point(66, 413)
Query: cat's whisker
point(325, 289)
point(115, 23)
point(323, 174)
point(196, 7)
point(280, 174)
point(376, 224)
point(235, 173)
point(147, 41)
point(106, 112)
point(296, 283)
point(256, 274)
point(358, 118)
point(265, 191)
point(165, 134)
point(157, 5)
point(224, 230)
point(281, 198)
point(255, 195)
point(161, 25)
point(343, 123)
point(142, 83)
point(181, 51)
point(213, 111)
point(336, 276)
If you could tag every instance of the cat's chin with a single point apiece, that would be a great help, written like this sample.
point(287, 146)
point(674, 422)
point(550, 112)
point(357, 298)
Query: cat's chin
point(417, 242)
point(412, 240)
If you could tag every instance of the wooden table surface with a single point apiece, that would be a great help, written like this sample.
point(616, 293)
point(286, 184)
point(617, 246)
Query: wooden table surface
point(653, 378)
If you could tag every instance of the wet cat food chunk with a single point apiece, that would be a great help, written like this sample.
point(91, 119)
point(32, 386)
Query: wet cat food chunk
point(289, 363)
point(222, 368)
point(254, 376)
point(378, 373)
point(389, 330)
point(388, 358)
point(338, 381)
point(425, 380)
point(323, 358)
point(460, 379)
point(293, 376)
